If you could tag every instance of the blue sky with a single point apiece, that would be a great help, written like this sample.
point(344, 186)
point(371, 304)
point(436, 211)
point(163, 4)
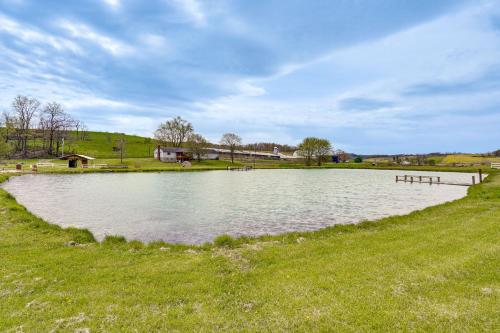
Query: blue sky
point(373, 76)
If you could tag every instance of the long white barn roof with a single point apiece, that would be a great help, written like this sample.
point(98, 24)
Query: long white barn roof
point(242, 152)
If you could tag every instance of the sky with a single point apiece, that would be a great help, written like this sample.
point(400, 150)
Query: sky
point(372, 76)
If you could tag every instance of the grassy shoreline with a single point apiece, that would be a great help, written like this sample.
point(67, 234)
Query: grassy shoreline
point(433, 269)
point(151, 165)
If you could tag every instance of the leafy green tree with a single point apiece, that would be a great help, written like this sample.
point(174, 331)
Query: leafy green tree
point(307, 148)
point(312, 147)
point(322, 148)
point(197, 143)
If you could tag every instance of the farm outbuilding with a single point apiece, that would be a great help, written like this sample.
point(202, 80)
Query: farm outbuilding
point(174, 154)
point(171, 154)
point(73, 160)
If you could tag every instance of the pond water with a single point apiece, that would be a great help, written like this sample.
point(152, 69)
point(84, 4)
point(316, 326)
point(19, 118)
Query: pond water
point(195, 207)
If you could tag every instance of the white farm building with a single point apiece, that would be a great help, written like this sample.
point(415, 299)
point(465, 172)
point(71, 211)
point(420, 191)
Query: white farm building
point(174, 154)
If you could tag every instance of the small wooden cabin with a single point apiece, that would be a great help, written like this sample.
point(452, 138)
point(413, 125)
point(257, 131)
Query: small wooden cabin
point(74, 158)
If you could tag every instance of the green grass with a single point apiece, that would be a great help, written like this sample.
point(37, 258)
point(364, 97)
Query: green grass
point(100, 145)
point(469, 158)
point(151, 164)
point(432, 270)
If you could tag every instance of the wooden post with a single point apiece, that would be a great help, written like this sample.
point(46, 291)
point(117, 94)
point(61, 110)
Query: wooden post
point(411, 179)
point(419, 179)
point(480, 175)
point(473, 180)
point(439, 179)
point(396, 178)
point(430, 180)
point(405, 177)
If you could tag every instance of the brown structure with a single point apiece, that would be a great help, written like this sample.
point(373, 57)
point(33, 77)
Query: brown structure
point(74, 158)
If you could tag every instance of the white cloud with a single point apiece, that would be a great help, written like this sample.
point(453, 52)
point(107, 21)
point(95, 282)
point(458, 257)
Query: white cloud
point(82, 31)
point(156, 44)
point(33, 36)
point(114, 4)
point(192, 9)
point(248, 89)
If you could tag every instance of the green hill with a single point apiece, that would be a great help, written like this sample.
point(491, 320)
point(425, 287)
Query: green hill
point(104, 145)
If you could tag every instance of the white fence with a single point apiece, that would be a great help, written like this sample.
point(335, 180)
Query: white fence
point(495, 165)
point(45, 164)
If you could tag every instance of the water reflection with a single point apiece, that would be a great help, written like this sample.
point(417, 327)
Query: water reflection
point(195, 207)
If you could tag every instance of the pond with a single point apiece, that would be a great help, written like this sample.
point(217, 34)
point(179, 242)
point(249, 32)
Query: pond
point(195, 207)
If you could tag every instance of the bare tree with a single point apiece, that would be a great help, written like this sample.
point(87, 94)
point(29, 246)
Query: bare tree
point(78, 125)
point(197, 144)
point(120, 144)
point(83, 131)
point(53, 120)
point(342, 155)
point(63, 133)
point(232, 141)
point(174, 131)
point(24, 109)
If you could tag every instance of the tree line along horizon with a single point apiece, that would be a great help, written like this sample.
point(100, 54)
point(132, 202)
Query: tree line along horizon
point(178, 132)
point(30, 130)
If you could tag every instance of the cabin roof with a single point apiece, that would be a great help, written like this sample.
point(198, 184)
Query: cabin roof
point(81, 157)
point(173, 150)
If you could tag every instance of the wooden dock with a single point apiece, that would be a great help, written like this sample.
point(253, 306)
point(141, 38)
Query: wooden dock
point(430, 180)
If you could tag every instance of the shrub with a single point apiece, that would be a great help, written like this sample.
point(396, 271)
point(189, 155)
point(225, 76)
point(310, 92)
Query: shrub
point(358, 159)
point(224, 241)
point(81, 236)
point(114, 240)
point(136, 245)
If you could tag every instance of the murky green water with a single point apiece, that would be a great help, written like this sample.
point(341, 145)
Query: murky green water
point(194, 207)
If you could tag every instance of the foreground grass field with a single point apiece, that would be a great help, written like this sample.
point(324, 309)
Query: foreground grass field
point(433, 270)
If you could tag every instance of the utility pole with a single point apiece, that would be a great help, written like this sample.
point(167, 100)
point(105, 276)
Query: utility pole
point(62, 152)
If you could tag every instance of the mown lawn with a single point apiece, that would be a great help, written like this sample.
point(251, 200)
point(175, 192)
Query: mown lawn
point(433, 270)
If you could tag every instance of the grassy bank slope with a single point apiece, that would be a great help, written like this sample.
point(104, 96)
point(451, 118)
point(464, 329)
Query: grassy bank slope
point(100, 145)
point(435, 269)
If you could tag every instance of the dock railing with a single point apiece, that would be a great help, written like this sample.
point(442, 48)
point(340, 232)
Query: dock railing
point(434, 180)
